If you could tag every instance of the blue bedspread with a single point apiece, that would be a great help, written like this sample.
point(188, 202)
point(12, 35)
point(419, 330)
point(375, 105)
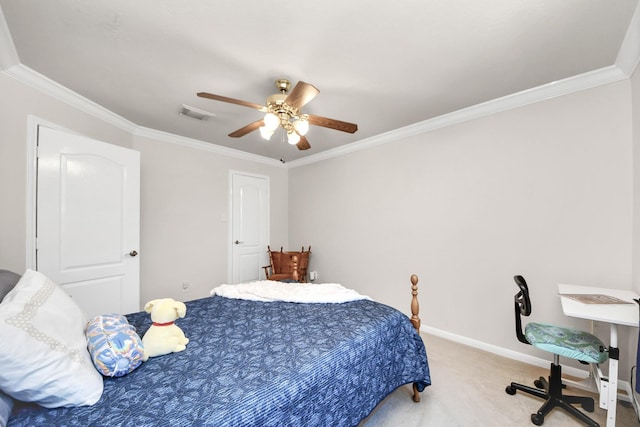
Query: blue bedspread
point(260, 364)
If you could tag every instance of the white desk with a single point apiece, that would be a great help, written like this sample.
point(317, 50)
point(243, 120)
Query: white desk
point(614, 315)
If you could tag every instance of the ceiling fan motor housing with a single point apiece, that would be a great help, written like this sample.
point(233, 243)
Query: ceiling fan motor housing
point(276, 99)
point(286, 113)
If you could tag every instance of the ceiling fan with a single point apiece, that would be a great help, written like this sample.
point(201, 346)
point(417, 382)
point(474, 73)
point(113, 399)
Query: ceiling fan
point(283, 109)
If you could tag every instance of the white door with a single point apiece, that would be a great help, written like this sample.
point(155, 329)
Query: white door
point(249, 226)
point(88, 210)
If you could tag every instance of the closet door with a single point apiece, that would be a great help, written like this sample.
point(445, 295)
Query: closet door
point(249, 226)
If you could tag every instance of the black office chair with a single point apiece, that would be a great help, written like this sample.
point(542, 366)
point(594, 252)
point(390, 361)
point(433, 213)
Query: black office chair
point(560, 341)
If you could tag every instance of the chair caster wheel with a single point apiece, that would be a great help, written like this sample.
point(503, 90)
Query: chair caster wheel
point(588, 406)
point(510, 390)
point(539, 384)
point(537, 419)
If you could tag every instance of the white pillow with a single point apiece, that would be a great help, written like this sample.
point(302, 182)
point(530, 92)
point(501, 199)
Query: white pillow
point(44, 355)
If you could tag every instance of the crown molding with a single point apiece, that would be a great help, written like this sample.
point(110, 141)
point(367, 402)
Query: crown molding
point(629, 53)
point(551, 90)
point(577, 83)
point(45, 85)
point(8, 54)
point(205, 146)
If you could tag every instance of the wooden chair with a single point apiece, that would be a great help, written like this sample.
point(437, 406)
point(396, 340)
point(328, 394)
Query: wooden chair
point(290, 266)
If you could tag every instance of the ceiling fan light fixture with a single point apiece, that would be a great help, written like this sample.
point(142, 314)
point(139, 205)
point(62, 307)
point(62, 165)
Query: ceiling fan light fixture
point(265, 132)
point(301, 126)
point(271, 122)
point(293, 138)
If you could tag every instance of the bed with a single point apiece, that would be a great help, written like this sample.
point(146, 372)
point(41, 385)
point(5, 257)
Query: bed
point(255, 363)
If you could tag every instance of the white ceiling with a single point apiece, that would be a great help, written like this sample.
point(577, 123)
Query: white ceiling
point(382, 65)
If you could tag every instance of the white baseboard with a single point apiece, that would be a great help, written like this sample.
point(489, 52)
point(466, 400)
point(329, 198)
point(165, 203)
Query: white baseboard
point(514, 355)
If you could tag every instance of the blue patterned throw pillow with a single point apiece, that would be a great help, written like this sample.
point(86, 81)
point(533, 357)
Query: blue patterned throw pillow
point(115, 347)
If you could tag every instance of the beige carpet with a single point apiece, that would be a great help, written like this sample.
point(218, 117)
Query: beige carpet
point(469, 390)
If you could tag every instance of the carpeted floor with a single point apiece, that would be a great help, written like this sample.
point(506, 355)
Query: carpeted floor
point(469, 390)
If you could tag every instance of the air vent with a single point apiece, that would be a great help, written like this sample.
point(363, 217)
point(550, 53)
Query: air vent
point(195, 113)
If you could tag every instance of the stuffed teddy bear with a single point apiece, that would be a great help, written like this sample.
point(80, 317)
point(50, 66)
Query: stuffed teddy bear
point(163, 336)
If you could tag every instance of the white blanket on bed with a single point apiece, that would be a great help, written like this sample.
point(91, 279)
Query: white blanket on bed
point(268, 290)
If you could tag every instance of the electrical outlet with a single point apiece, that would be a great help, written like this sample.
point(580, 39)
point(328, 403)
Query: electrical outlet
point(186, 286)
point(313, 275)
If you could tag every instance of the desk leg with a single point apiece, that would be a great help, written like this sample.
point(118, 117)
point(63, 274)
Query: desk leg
point(612, 386)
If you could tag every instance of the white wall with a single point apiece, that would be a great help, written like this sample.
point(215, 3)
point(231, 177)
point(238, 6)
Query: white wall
point(184, 191)
point(16, 103)
point(184, 217)
point(543, 190)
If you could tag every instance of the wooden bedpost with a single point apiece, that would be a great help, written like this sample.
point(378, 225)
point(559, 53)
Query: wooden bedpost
point(415, 308)
point(415, 321)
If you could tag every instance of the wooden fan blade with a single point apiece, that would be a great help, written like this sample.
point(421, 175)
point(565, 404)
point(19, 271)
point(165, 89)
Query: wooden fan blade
point(232, 101)
point(248, 128)
point(301, 94)
point(333, 124)
point(303, 144)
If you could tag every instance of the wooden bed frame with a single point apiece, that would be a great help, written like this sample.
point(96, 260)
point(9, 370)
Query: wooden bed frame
point(415, 321)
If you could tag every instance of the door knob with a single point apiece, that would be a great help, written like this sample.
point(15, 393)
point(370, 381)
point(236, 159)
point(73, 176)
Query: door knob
point(237, 242)
point(132, 253)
